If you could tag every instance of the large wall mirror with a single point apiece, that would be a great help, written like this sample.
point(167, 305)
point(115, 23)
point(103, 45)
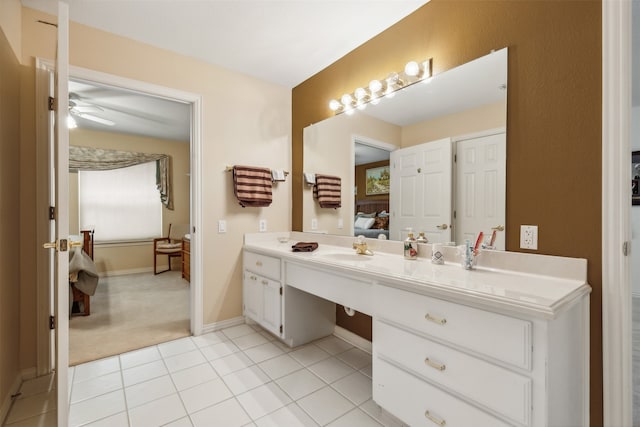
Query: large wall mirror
point(430, 159)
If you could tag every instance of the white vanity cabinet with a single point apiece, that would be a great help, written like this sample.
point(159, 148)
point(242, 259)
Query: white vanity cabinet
point(262, 291)
point(469, 366)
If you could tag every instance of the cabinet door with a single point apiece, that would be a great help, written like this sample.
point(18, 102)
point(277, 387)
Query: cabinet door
point(271, 305)
point(252, 295)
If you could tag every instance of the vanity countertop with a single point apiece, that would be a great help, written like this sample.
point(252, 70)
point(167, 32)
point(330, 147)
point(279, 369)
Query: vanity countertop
point(539, 285)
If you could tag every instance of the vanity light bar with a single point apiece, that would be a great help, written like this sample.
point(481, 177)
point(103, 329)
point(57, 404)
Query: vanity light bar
point(413, 72)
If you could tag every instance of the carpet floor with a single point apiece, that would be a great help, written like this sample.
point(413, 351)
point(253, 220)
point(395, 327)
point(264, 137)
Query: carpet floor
point(130, 312)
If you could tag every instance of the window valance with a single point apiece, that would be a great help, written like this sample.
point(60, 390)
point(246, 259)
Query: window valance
point(96, 159)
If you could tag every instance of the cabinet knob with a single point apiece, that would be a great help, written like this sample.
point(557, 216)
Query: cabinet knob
point(435, 365)
point(253, 278)
point(259, 263)
point(434, 419)
point(434, 319)
point(264, 282)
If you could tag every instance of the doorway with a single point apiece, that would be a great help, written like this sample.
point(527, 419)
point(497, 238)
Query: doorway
point(44, 344)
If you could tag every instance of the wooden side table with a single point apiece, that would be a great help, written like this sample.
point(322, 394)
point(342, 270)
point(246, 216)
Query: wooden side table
point(186, 259)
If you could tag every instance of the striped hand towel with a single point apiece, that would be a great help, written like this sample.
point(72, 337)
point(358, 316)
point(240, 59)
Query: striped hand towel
point(328, 191)
point(252, 186)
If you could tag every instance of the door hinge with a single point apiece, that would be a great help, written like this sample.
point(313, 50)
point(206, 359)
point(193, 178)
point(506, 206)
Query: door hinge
point(52, 322)
point(454, 214)
point(51, 104)
point(280, 328)
point(52, 212)
point(280, 290)
point(626, 248)
point(455, 158)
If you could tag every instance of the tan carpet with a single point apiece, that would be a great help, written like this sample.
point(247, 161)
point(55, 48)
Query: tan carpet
point(130, 312)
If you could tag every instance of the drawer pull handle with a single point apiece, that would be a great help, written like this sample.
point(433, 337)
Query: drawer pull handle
point(435, 419)
point(435, 319)
point(259, 263)
point(435, 365)
point(264, 282)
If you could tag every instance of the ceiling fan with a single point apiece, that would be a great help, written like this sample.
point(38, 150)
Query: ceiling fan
point(86, 110)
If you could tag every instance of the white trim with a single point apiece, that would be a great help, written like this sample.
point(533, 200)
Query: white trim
point(616, 285)
point(7, 401)
point(216, 326)
point(353, 339)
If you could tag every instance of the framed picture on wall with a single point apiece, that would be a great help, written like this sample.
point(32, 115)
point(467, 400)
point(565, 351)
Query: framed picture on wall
point(377, 181)
point(635, 178)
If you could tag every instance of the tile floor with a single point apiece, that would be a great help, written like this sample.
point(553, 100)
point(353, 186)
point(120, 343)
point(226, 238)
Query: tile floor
point(239, 376)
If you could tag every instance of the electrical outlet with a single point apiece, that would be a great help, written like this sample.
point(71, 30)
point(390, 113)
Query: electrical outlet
point(340, 223)
point(262, 225)
point(529, 237)
point(222, 226)
point(314, 224)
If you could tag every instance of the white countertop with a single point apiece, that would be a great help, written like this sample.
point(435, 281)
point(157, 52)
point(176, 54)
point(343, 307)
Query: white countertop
point(513, 282)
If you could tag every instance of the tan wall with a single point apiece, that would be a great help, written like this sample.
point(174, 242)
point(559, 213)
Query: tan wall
point(114, 258)
point(553, 116)
point(245, 121)
point(11, 24)
point(9, 217)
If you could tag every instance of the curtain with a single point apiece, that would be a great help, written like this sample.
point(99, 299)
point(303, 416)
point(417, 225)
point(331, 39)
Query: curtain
point(96, 159)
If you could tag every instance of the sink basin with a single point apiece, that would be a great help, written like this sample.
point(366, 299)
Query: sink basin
point(346, 257)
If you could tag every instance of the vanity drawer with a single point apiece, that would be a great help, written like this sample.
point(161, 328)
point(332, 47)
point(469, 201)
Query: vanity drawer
point(496, 388)
point(419, 403)
point(262, 264)
point(500, 337)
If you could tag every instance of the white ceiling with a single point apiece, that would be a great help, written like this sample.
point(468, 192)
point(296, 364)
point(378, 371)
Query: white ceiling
point(284, 42)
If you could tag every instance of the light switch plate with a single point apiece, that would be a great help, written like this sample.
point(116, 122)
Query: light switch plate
point(222, 226)
point(529, 237)
point(314, 224)
point(340, 223)
point(262, 225)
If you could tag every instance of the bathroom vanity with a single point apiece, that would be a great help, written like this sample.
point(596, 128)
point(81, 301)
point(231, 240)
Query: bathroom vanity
point(505, 344)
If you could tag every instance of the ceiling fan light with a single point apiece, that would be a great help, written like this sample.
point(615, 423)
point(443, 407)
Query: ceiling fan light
point(71, 123)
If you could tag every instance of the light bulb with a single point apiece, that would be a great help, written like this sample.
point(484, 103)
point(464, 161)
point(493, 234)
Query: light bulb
point(375, 86)
point(71, 123)
point(346, 99)
point(360, 94)
point(334, 105)
point(412, 69)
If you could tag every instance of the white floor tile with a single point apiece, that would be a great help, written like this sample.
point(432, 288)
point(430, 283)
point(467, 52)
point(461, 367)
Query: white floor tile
point(193, 376)
point(325, 405)
point(96, 368)
point(251, 340)
point(290, 416)
point(262, 352)
point(139, 357)
point(210, 338)
point(331, 369)
point(263, 400)
point(144, 373)
point(184, 360)
point(47, 419)
point(309, 354)
point(157, 412)
point(355, 387)
point(97, 408)
point(231, 363)
point(246, 379)
point(228, 414)
point(178, 346)
point(216, 351)
point(268, 335)
point(333, 345)
point(120, 419)
point(204, 395)
point(368, 370)
point(280, 366)
point(141, 393)
point(355, 418)
point(238, 331)
point(355, 358)
point(182, 422)
point(96, 386)
point(32, 406)
point(382, 416)
point(38, 385)
point(300, 383)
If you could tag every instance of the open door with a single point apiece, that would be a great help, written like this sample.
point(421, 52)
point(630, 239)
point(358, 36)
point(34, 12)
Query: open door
point(59, 218)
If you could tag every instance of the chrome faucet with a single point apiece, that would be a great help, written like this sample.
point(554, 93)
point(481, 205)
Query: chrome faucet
point(360, 245)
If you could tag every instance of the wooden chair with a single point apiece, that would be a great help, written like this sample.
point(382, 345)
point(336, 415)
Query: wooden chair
point(171, 246)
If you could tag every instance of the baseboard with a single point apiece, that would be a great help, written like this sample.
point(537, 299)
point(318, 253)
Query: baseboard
point(351, 338)
point(7, 400)
point(129, 271)
point(216, 326)
point(28, 373)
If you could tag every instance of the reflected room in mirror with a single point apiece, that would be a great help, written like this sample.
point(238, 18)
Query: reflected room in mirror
point(443, 142)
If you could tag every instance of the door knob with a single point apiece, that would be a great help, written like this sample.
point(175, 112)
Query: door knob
point(442, 227)
point(61, 245)
point(499, 228)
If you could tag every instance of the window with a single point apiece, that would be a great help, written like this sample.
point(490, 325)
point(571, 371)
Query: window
point(121, 204)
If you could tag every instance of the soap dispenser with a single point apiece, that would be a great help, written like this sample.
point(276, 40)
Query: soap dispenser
point(410, 247)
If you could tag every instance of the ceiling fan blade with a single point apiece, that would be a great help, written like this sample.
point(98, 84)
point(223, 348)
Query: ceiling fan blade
point(96, 119)
point(87, 109)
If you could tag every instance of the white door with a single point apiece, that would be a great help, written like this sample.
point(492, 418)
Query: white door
point(480, 188)
point(59, 191)
point(421, 186)
point(271, 305)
